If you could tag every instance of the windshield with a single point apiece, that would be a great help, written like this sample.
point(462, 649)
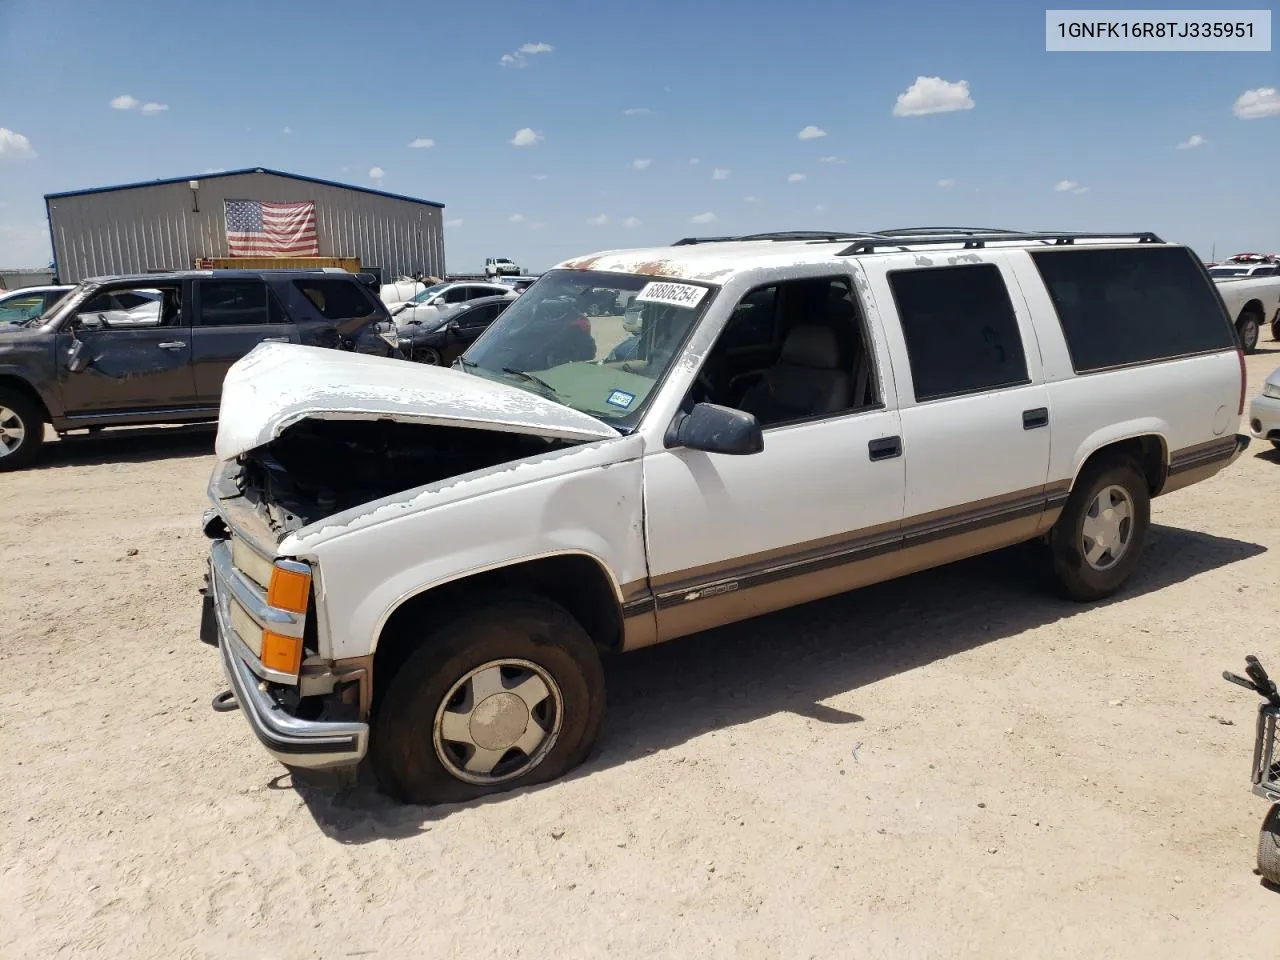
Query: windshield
point(428, 293)
point(565, 339)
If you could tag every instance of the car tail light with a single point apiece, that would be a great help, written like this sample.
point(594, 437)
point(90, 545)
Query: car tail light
point(1243, 380)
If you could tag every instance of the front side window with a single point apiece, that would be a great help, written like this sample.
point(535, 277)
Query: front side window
point(21, 309)
point(553, 340)
point(961, 331)
point(130, 307)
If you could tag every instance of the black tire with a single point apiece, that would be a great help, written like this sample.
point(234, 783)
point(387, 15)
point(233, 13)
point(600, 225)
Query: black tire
point(404, 757)
point(1269, 846)
point(30, 418)
point(1276, 444)
point(1249, 326)
point(1275, 328)
point(428, 355)
point(1075, 577)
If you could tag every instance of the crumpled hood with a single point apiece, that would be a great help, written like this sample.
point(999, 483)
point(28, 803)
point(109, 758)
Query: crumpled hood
point(276, 385)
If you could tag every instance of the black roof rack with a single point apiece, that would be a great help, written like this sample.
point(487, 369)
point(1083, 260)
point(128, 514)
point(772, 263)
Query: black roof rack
point(927, 231)
point(975, 239)
point(821, 236)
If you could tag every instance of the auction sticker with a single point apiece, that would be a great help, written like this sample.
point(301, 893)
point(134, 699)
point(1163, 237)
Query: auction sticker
point(672, 294)
point(620, 398)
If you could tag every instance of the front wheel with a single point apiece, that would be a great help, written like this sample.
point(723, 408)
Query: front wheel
point(508, 694)
point(428, 355)
point(1097, 540)
point(1248, 327)
point(21, 430)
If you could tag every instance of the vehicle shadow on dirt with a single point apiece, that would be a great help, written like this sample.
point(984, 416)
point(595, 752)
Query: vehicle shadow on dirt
point(791, 660)
point(133, 445)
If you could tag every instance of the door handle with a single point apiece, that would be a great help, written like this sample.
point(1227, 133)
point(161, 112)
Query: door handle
point(274, 340)
point(172, 344)
point(1031, 419)
point(885, 448)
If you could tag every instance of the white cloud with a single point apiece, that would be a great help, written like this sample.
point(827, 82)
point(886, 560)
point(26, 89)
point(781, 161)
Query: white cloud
point(946, 182)
point(631, 222)
point(694, 161)
point(516, 218)
point(14, 146)
point(832, 160)
point(287, 130)
point(750, 199)
point(636, 112)
point(1255, 104)
point(422, 143)
point(598, 221)
point(520, 58)
point(795, 178)
point(376, 174)
point(933, 95)
point(539, 176)
point(453, 223)
point(124, 102)
point(1193, 141)
point(641, 163)
point(707, 217)
point(151, 109)
point(811, 133)
point(720, 173)
point(526, 137)
point(1062, 186)
point(820, 207)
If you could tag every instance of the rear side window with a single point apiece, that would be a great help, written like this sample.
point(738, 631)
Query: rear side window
point(336, 299)
point(234, 303)
point(961, 332)
point(1119, 307)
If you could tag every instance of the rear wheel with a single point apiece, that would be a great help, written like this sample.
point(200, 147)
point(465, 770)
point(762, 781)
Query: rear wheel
point(1269, 846)
point(21, 430)
point(1275, 327)
point(506, 695)
point(427, 355)
point(1248, 326)
point(1097, 541)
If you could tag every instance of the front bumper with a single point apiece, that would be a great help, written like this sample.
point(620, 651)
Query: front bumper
point(1264, 417)
point(310, 744)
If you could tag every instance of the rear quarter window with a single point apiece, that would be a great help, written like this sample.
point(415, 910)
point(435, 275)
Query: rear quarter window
point(337, 299)
point(1121, 307)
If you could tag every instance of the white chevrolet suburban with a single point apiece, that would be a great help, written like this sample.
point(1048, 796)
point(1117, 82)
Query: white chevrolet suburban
point(425, 565)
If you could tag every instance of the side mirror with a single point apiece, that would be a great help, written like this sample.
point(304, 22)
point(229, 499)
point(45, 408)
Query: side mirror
point(77, 359)
point(454, 326)
point(712, 428)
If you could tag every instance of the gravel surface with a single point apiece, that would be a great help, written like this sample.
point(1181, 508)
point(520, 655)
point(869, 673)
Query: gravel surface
point(954, 764)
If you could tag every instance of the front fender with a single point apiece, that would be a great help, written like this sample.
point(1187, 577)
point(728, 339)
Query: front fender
point(591, 507)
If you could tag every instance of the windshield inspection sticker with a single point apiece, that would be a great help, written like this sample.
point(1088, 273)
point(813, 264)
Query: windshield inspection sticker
point(672, 294)
point(620, 398)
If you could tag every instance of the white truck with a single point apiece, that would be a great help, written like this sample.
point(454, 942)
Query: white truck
point(1251, 302)
point(500, 267)
point(424, 566)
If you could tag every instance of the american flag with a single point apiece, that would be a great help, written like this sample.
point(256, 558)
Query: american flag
point(257, 228)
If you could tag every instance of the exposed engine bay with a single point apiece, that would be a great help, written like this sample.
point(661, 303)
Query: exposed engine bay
point(317, 468)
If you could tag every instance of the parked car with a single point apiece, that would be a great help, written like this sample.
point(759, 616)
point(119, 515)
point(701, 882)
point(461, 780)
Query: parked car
point(518, 284)
point(1251, 302)
point(498, 266)
point(19, 306)
point(116, 351)
point(425, 565)
point(441, 300)
point(441, 341)
point(1264, 412)
point(1244, 270)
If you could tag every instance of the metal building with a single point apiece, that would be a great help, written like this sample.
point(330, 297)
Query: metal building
point(169, 224)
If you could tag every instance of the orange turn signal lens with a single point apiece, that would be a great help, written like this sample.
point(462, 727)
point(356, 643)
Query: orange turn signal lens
point(280, 653)
point(288, 590)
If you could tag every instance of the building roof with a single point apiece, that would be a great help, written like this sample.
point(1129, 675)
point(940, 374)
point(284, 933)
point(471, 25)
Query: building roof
point(237, 173)
point(715, 259)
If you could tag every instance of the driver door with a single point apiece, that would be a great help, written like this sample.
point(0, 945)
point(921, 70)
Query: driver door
point(138, 361)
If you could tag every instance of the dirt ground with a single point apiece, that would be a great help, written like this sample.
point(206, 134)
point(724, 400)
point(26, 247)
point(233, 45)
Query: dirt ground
point(950, 765)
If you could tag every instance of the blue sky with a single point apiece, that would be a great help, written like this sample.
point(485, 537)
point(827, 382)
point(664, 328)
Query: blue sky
point(340, 90)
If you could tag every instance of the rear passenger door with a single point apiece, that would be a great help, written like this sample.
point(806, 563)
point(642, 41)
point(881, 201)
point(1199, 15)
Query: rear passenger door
point(232, 316)
point(976, 418)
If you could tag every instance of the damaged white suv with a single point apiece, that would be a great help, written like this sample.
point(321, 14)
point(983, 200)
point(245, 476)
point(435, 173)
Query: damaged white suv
point(425, 565)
